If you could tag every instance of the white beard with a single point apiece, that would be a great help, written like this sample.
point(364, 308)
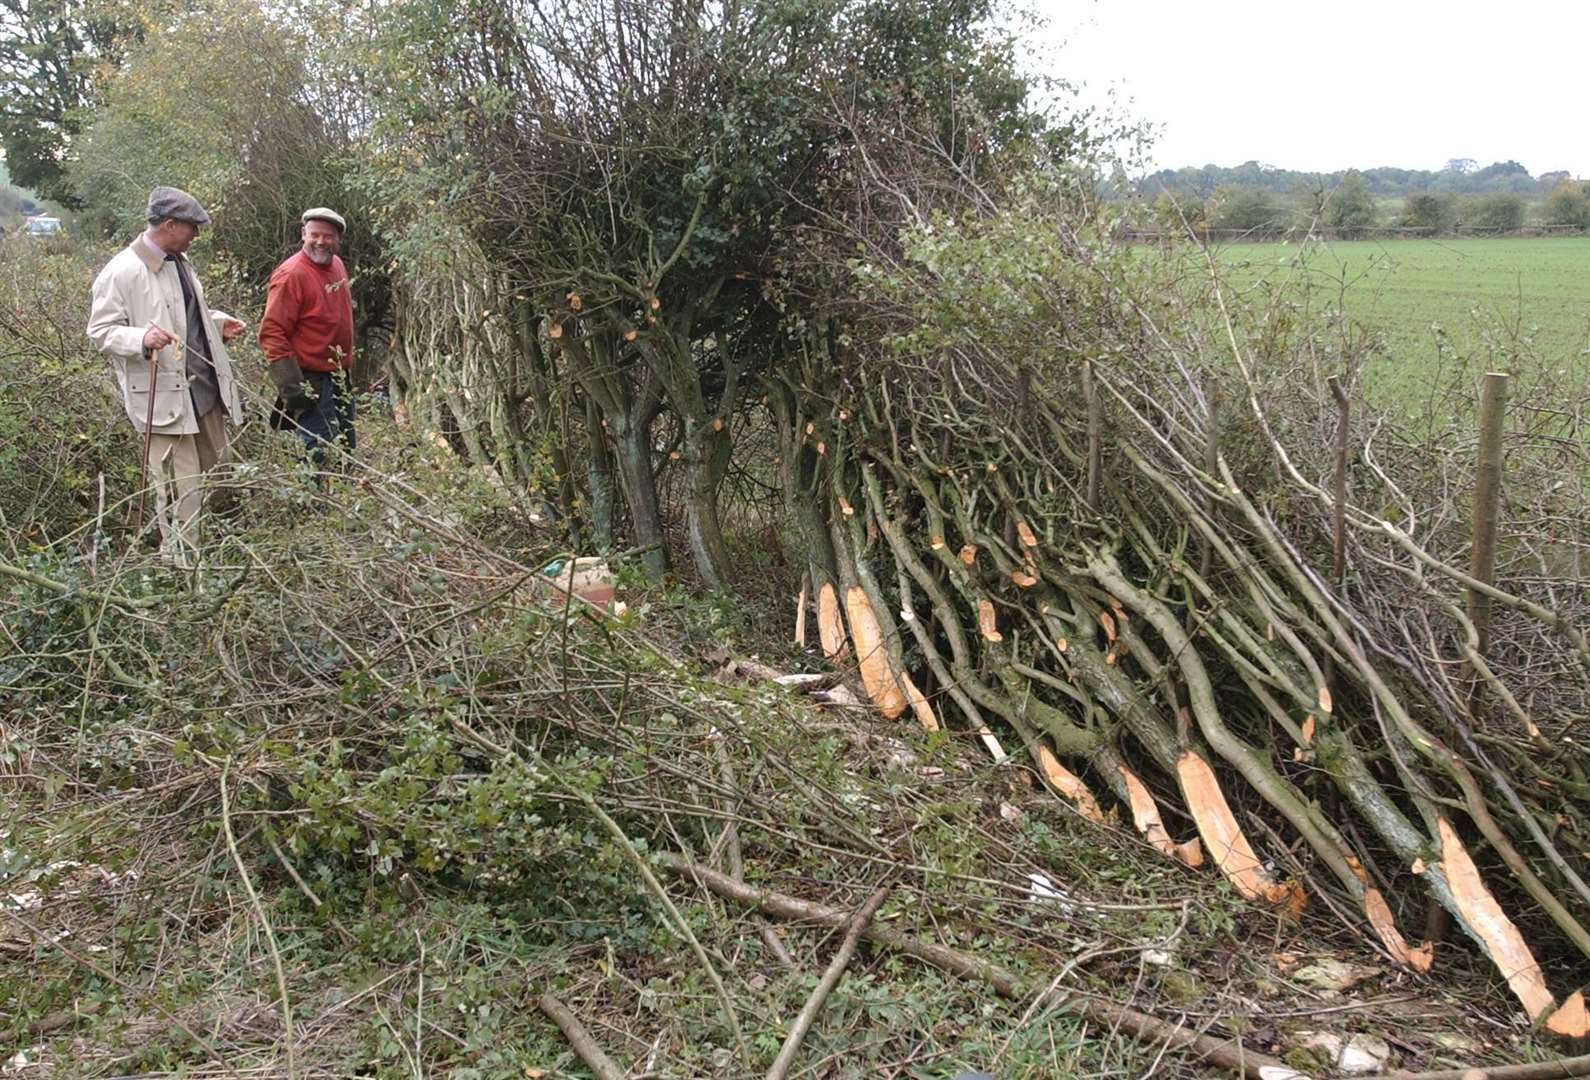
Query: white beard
point(318, 258)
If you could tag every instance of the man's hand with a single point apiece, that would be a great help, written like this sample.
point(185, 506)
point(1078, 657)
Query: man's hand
point(230, 328)
point(156, 338)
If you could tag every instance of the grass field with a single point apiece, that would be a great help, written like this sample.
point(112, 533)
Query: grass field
point(1510, 302)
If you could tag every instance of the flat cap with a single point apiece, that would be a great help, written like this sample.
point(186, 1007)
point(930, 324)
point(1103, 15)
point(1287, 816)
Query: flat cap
point(170, 202)
point(326, 214)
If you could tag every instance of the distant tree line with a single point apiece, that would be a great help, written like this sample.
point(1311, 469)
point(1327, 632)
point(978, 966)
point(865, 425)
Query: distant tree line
point(1460, 176)
point(1347, 206)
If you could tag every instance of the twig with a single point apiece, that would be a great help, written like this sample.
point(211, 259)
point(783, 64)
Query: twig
point(589, 1050)
point(270, 935)
point(1561, 1069)
point(819, 995)
point(1227, 1054)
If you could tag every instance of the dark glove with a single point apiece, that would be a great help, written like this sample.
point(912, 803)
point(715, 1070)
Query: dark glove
point(294, 397)
point(288, 379)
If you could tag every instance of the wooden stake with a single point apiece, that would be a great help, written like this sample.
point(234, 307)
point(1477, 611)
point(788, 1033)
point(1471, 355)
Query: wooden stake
point(1487, 498)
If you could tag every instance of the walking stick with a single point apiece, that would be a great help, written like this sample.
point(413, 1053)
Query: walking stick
point(149, 431)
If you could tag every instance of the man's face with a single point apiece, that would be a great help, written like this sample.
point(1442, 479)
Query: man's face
point(175, 237)
point(321, 240)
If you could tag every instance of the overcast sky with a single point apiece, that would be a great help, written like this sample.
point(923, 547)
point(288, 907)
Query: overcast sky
point(1340, 84)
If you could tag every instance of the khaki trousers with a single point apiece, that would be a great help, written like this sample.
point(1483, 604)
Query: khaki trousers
point(177, 464)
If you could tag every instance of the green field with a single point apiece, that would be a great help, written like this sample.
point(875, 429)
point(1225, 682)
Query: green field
point(1507, 303)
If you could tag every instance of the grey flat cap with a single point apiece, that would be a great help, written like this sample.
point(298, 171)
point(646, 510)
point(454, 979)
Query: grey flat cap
point(170, 202)
point(322, 213)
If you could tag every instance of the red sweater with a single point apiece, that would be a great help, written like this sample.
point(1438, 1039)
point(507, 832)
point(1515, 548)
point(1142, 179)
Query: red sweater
point(309, 314)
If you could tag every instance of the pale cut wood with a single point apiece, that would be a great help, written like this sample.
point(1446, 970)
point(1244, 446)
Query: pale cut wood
point(1068, 784)
point(1227, 843)
point(1571, 1021)
point(800, 611)
point(919, 703)
point(830, 626)
point(1379, 914)
point(1146, 819)
point(877, 671)
point(1024, 531)
point(1491, 925)
point(988, 622)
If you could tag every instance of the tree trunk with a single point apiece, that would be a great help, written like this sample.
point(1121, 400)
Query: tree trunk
point(707, 455)
point(599, 478)
point(632, 447)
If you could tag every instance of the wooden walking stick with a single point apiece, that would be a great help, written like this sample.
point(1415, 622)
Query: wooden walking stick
point(149, 430)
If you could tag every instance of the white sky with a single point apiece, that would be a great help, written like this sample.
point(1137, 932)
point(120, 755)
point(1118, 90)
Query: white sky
point(1339, 84)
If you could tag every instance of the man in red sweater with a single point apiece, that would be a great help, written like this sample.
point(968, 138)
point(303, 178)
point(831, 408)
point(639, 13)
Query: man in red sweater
point(307, 338)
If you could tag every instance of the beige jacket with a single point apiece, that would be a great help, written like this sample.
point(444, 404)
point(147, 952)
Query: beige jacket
point(136, 289)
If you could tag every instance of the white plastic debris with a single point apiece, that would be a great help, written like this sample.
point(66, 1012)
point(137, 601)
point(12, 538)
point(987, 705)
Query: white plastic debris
point(1352, 1055)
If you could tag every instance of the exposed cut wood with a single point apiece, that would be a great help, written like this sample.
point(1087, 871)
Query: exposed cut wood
point(919, 703)
point(1145, 817)
point(844, 506)
point(987, 621)
point(1308, 730)
point(1379, 913)
point(800, 612)
point(1068, 784)
point(877, 671)
point(1023, 578)
point(1227, 843)
point(937, 542)
point(1024, 531)
point(991, 742)
point(830, 626)
point(1107, 621)
point(969, 555)
point(1571, 1021)
point(1491, 925)
point(1324, 699)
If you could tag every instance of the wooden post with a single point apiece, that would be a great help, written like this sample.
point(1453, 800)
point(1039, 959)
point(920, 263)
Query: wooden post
point(1482, 559)
point(1487, 498)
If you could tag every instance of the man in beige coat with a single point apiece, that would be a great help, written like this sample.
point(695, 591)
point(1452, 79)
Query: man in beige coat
point(168, 352)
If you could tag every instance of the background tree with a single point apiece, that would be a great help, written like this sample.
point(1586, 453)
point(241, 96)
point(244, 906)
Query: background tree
point(1435, 213)
point(1501, 213)
point(1568, 204)
point(1245, 209)
point(52, 54)
point(1350, 209)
